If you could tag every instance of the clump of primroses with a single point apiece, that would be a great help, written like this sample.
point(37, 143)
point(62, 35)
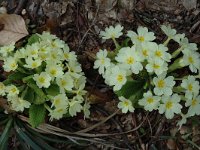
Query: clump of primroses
point(140, 58)
point(44, 72)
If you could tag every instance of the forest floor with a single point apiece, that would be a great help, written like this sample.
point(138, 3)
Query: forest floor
point(78, 22)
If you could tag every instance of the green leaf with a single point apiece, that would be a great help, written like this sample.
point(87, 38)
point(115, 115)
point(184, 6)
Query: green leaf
point(36, 115)
point(38, 99)
point(131, 88)
point(37, 90)
point(53, 90)
point(5, 135)
point(125, 43)
point(16, 76)
point(28, 94)
point(33, 39)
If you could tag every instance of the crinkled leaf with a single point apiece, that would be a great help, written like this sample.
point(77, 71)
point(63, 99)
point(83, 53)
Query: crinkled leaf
point(130, 88)
point(33, 39)
point(16, 76)
point(28, 94)
point(53, 90)
point(37, 90)
point(36, 115)
point(38, 99)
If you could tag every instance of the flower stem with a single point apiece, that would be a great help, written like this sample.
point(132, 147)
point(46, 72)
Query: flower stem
point(175, 65)
point(47, 107)
point(167, 41)
point(175, 53)
point(116, 43)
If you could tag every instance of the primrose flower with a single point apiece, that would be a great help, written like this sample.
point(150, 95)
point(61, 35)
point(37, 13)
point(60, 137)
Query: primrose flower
point(69, 56)
point(160, 52)
point(32, 63)
point(125, 105)
point(55, 55)
point(191, 85)
point(74, 69)
point(6, 50)
point(21, 53)
point(194, 105)
point(168, 31)
point(32, 50)
point(65, 83)
point(57, 43)
point(74, 107)
point(46, 36)
point(117, 78)
point(149, 101)
point(12, 90)
point(60, 101)
point(112, 32)
point(18, 104)
point(170, 106)
point(42, 80)
point(142, 35)
point(102, 62)
point(128, 57)
point(144, 50)
point(163, 85)
point(156, 65)
point(191, 59)
point(184, 43)
point(2, 89)
point(54, 70)
point(10, 64)
point(57, 113)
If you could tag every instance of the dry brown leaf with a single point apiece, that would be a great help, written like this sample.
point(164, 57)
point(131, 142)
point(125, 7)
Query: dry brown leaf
point(14, 28)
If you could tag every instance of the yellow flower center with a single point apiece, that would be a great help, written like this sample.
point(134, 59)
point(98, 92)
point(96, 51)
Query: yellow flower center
point(144, 52)
point(60, 110)
point(56, 101)
point(126, 103)
point(150, 100)
point(41, 79)
point(13, 65)
point(34, 64)
point(141, 38)
point(13, 90)
point(53, 44)
point(161, 83)
point(33, 52)
point(169, 105)
point(43, 56)
point(54, 56)
point(120, 78)
point(63, 82)
point(102, 61)
point(42, 49)
point(158, 53)
point(190, 59)
point(53, 72)
point(66, 55)
point(194, 102)
point(130, 60)
point(190, 87)
point(155, 66)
